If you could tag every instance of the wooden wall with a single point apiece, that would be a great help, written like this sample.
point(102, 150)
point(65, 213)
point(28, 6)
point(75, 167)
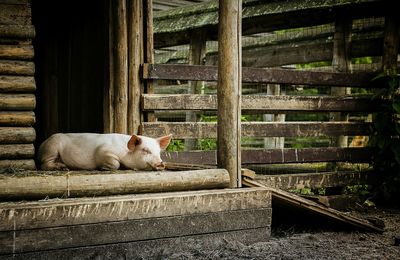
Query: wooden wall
point(17, 86)
point(71, 54)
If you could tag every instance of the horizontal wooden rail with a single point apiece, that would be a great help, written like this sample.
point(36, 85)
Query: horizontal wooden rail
point(17, 84)
point(17, 118)
point(17, 52)
point(14, 67)
point(16, 151)
point(259, 75)
point(263, 102)
point(258, 129)
point(17, 31)
point(17, 135)
point(277, 156)
point(17, 101)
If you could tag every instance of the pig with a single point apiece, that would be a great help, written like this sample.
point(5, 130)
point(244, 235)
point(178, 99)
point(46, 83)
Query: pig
point(88, 151)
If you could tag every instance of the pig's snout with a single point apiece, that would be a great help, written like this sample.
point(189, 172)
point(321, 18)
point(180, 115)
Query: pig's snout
point(159, 166)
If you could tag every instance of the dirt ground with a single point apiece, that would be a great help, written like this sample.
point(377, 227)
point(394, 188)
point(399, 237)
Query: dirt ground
point(300, 243)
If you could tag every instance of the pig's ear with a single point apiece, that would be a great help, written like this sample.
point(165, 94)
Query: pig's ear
point(134, 141)
point(164, 141)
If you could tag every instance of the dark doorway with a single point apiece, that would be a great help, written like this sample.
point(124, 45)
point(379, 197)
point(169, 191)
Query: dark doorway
point(71, 47)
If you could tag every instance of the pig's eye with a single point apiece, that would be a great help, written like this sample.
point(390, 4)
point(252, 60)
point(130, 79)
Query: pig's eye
point(146, 151)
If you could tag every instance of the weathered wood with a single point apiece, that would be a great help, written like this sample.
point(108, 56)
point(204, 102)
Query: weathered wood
point(259, 75)
point(16, 151)
point(17, 84)
point(108, 96)
point(391, 44)
point(132, 230)
point(17, 31)
point(120, 66)
point(258, 129)
point(84, 183)
point(287, 199)
point(276, 156)
point(17, 101)
point(16, 52)
point(80, 211)
point(17, 118)
point(18, 164)
point(12, 67)
point(265, 103)
point(153, 247)
point(171, 27)
point(229, 92)
point(17, 135)
point(317, 180)
point(11, 14)
point(135, 46)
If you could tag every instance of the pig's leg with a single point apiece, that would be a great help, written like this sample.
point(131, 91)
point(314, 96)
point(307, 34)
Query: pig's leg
point(50, 161)
point(106, 160)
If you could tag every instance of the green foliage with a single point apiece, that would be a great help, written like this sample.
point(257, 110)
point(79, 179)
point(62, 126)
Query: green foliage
point(386, 137)
point(176, 145)
point(207, 144)
point(309, 191)
point(362, 190)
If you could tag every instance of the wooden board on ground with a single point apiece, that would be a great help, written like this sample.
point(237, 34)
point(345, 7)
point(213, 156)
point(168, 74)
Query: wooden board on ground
point(102, 223)
point(298, 203)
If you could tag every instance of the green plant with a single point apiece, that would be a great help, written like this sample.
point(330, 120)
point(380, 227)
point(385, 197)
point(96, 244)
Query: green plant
point(176, 145)
point(386, 137)
point(208, 144)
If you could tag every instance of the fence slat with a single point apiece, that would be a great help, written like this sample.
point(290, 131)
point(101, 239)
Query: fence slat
point(264, 102)
point(277, 156)
point(259, 75)
point(258, 129)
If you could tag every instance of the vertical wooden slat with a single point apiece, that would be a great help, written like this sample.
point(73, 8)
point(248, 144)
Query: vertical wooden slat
point(229, 82)
point(196, 56)
point(120, 66)
point(390, 44)
point(341, 62)
point(149, 48)
point(108, 98)
point(135, 39)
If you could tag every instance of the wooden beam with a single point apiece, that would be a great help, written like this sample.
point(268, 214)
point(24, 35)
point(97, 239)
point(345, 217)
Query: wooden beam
point(16, 52)
point(13, 67)
point(317, 180)
point(80, 211)
point(12, 165)
point(17, 102)
point(259, 75)
point(90, 183)
point(265, 103)
point(17, 135)
point(17, 84)
point(17, 31)
point(391, 44)
point(17, 118)
point(17, 151)
point(258, 129)
point(120, 66)
point(277, 156)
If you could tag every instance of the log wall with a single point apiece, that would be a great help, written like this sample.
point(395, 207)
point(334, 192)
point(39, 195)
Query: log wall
point(17, 86)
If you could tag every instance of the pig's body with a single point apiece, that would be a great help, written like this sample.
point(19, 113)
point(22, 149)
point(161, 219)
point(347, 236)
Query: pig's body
point(86, 151)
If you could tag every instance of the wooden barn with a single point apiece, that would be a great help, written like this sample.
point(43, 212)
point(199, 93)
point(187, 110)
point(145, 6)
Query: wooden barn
point(290, 84)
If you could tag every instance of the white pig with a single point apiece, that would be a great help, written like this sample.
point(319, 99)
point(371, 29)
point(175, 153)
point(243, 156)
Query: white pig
point(86, 151)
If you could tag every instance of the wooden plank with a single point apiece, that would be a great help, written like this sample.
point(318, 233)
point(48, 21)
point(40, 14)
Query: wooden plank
point(13, 67)
point(132, 230)
point(17, 101)
point(317, 180)
point(265, 103)
point(16, 52)
point(91, 183)
point(296, 202)
point(151, 248)
point(258, 129)
point(259, 75)
point(17, 118)
point(17, 31)
point(79, 211)
point(390, 44)
point(120, 66)
point(276, 156)
point(17, 84)
point(17, 135)
point(17, 165)
point(17, 151)
point(19, 14)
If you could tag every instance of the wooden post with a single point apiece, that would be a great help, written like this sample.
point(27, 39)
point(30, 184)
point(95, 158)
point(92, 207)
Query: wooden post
point(108, 98)
point(229, 89)
point(390, 44)
point(120, 66)
point(148, 48)
point(341, 62)
point(135, 46)
point(196, 57)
